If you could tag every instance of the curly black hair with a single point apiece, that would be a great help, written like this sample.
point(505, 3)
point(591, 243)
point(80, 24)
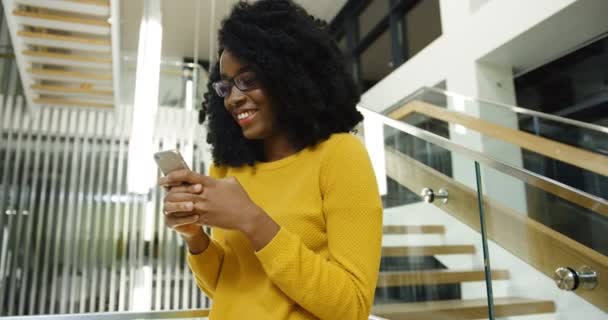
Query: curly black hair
point(302, 70)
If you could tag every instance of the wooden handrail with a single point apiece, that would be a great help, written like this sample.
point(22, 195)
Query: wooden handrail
point(587, 160)
point(581, 158)
point(538, 245)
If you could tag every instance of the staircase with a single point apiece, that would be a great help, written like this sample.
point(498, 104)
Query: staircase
point(437, 301)
point(67, 51)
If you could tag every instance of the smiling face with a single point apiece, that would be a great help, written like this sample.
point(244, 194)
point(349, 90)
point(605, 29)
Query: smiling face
point(250, 108)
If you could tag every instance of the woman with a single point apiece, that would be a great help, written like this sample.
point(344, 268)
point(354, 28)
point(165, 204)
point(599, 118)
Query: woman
point(291, 198)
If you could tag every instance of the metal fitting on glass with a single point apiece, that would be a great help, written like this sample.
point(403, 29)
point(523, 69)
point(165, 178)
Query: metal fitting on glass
point(569, 279)
point(429, 195)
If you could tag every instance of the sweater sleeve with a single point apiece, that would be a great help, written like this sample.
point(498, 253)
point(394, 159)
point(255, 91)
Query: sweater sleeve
point(341, 287)
point(207, 265)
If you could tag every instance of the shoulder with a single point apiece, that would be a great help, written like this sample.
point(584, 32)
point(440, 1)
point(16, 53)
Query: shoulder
point(346, 163)
point(342, 145)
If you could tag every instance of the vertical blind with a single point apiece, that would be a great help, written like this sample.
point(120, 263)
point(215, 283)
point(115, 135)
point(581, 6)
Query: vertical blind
point(72, 239)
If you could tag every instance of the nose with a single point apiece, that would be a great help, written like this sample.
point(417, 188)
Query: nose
point(234, 98)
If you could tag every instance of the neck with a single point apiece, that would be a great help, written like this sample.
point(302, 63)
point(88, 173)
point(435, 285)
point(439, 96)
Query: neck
point(277, 148)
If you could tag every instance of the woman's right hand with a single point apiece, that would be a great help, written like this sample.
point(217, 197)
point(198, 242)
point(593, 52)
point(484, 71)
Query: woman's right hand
point(180, 216)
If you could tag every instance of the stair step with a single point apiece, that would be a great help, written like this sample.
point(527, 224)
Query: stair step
point(53, 89)
point(63, 75)
point(62, 18)
point(75, 103)
point(431, 277)
point(65, 38)
point(421, 229)
point(78, 7)
point(462, 309)
point(427, 250)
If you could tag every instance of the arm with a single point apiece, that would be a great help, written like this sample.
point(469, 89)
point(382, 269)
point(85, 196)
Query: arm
point(343, 286)
point(206, 264)
point(205, 255)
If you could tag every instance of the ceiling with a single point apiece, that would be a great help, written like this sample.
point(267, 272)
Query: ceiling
point(180, 24)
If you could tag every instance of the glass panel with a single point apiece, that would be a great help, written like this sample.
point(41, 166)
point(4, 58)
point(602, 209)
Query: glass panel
point(549, 146)
point(376, 61)
point(422, 25)
point(431, 263)
point(536, 234)
point(372, 15)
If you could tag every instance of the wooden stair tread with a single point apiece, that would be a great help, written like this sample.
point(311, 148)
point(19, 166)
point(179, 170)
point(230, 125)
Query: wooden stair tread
point(100, 3)
point(431, 277)
point(427, 250)
point(70, 102)
point(70, 74)
point(74, 57)
point(66, 38)
point(61, 17)
point(90, 8)
point(421, 229)
point(462, 309)
point(65, 89)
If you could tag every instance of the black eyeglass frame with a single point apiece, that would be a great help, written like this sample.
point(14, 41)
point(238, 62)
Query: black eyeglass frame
point(217, 85)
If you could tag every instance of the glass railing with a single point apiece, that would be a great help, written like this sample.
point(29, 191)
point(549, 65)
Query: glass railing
point(468, 235)
point(569, 151)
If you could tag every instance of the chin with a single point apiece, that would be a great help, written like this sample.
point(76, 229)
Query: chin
point(251, 135)
point(255, 134)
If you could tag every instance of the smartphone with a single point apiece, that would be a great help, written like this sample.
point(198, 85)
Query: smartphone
point(170, 160)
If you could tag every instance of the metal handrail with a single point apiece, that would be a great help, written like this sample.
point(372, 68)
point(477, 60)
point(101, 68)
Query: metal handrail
point(522, 174)
point(514, 109)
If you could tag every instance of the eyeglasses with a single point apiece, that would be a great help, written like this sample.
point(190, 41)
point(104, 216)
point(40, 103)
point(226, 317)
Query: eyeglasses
point(244, 81)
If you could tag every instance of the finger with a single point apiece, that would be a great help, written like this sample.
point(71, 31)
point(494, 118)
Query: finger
point(182, 197)
point(170, 185)
point(171, 207)
point(195, 188)
point(187, 176)
point(173, 222)
point(201, 207)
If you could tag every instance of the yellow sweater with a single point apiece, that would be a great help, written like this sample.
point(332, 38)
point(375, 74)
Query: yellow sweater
point(324, 261)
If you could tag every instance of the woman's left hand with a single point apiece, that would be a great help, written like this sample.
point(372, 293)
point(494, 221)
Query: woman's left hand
point(222, 203)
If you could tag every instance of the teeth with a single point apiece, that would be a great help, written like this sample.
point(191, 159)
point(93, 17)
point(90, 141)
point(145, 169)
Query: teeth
point(244, 115)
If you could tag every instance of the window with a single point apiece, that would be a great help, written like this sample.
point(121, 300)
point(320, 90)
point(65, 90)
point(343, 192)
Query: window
point(386, 33)
point(376, 61)
point(422, 26)
point(372, 15)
